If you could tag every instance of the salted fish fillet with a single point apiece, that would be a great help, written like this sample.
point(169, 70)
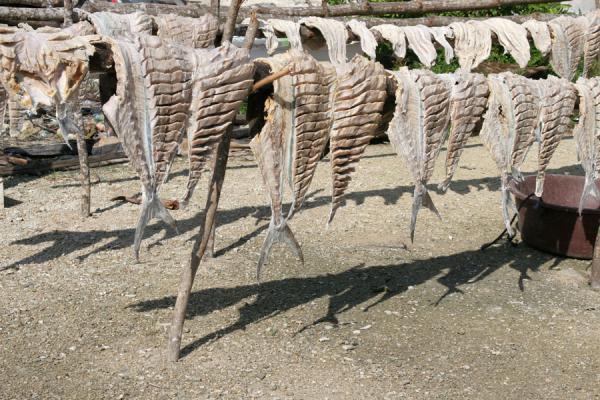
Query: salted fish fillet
point(192, 32)
point(43, 67)
point(359, 98)
point(368, 43)
point(267, 147)
point(418, 129)
point(586, 139)
point(513, 37)
point(149, 115)
point(311, 123)
point(301, 117)
point(540, 34)
point(222, 81)
point(568, 42)
point(497, 135)
point(472, 43)
point(591, 48)
point(395, 35)
point(441, 34)
point(291, 30)
point(335, 34)
point(419, 41)
point(468, 102)
point(525, 103)
point(558, 97)
point(121, 26)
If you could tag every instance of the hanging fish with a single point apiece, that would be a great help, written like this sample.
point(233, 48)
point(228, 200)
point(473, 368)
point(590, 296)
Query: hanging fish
point(418, 129)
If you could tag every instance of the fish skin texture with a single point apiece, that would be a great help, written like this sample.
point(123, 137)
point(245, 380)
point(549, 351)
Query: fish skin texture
point(472, 43)
point(222, 81)
point(513, 37)
point(540, 34)
point(468, 102)
point(335, 34)
point(368, 43)
point(395, 35)
point(568, 42)
point(290, 28)
point(354, 123)
point(418, 129)
point(192, 32)
point(591, 48)
point(558, 97)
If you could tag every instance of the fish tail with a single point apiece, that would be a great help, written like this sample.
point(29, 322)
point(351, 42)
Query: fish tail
point(150, 209)
point(507, 204)
point(589, 189)
point(421, 197)
point(444, 185)
point(276, 234)
point(334, 208)
point(539, 183)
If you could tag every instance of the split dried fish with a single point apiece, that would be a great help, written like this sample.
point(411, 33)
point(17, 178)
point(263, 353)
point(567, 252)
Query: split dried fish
point(395, 35)
point(291, 30)
point(540, 34)
point(586, 136)
point(335, 34)
point(222, 81)
point(472, 43)
point(513, 37)
point(568, 42)
point(418, 129)
point(419, 41)
point(43, 67)
point(360, 94)
point(441, 34)
point(591, 48)
point(192, 32)
point(368, 43)
point(558, 97)
point(468, 102)
point(149, 114)
point(121, 26)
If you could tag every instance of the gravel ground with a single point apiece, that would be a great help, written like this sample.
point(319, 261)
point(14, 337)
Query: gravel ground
point(368, 315)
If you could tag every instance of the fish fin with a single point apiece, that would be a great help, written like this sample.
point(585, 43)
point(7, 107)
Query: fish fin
point(150, 209)
point(334, 208)
point(517, 175)
point(444, 185)
point(507, 204)
point(64, 123)
point(539, 184)
point(421, 197)
point(277, 234)
point(589, 188)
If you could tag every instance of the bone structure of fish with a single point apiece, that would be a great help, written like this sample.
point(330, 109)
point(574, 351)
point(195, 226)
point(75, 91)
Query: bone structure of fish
point(293, 139)
point(468, 101)
point(43, 67)
point(558, 98)
point(418, 129)
point(568, 42)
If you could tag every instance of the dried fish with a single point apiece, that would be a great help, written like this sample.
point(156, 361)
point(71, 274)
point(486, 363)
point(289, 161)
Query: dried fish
point(395, 35)
point(472, 43)
point(558, 98)
point(121, 26)
point(418, 129)
point(222, 80)
point(419, 41)
point(513, 37)
point(335, 34)
point(586, 136)
point(591, 48)
point(291, 30)
point(368, 43)
point(359, 98)
point(468, 102)
point(192, 32)
point(568, 42)
point(149, 114)
point(440, 34)
point(540, 33)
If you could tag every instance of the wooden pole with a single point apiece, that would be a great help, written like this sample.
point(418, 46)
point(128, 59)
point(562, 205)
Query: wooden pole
point(84, 173)
point(251, 32)
point(232, 14)
point(206, 223)
point(595, 277)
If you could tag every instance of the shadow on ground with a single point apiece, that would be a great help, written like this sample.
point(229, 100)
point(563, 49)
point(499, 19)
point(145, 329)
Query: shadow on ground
point(359, 285)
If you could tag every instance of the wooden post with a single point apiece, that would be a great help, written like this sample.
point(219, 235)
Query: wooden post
point(1, 193)
point(206, 226)
point(84, 173)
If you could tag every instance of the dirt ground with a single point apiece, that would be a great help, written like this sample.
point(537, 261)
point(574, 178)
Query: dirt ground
point(368, 315)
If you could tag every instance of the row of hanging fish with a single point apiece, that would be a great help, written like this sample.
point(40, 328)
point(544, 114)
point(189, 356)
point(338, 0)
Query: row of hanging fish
point(567, 39)
point(168, 85)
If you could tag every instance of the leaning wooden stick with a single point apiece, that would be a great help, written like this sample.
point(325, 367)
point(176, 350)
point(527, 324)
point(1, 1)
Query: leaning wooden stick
point(270, 79)
point(206, 223)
